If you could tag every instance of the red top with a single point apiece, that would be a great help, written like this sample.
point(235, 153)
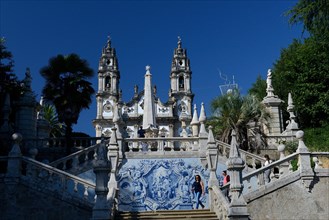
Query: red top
point(226, 179)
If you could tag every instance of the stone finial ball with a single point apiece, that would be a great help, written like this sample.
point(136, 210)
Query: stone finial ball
point(17, 137)
point(299, 134)
point(281, 147)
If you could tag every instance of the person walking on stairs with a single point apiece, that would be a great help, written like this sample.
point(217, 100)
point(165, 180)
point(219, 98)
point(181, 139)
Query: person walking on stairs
point(198, 190)
point(267, 173)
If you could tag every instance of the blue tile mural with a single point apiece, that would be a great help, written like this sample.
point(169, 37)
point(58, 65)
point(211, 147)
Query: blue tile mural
point(159, 184)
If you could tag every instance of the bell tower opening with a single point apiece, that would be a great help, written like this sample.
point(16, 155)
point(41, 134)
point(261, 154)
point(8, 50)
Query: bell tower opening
point(181, 83)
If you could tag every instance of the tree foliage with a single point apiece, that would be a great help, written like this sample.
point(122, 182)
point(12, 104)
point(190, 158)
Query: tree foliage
point(67, 87)
point(313, 15)
point(9, 84)
point(303, 67)
point(234, 112)
point(258, 88)
point(303, 70)
point(57, 129)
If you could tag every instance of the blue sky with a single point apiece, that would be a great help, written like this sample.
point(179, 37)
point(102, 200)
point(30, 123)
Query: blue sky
point(240, 38)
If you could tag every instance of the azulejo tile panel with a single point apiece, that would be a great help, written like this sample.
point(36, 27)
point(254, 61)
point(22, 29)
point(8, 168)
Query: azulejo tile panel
point(159, 184)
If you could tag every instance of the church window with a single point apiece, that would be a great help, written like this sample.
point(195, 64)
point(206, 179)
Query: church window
point(107, 83)
point(181, 83)
point(109, 62)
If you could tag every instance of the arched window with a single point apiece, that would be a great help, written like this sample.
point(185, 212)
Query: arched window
point(181, 83)
point(107, 83)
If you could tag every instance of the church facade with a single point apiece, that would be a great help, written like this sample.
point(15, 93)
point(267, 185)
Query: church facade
point(145, 110)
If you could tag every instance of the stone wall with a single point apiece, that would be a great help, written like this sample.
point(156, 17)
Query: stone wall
point(36, 205)
point(293, 202)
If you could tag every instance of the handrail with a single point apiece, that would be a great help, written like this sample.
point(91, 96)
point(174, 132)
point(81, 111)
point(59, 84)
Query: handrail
point(60, 142)
point(75, 154)
point(42, 176)
point(253, 161)
point(241, 151)
point(163, 138)
point(64, 162)
point(162, 144)
point(259, 173)
point(218, 202)
point(54, 170)
point(270, 166)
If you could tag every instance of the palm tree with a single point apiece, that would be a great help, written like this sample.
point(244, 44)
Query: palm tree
point(57, 129)
point(66, 87)
point(233, 111)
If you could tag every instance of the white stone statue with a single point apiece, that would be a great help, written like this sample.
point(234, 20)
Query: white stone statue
point(269, 78)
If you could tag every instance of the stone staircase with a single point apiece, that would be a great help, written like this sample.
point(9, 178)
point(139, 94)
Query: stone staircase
point(204, 214)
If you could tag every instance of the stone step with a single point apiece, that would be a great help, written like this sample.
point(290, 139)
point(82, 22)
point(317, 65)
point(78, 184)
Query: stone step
point(205, 214)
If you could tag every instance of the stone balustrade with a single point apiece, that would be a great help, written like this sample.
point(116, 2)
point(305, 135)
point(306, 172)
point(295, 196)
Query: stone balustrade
point(43, 176)
point(162, 144)
point(74, 162)
point(77, 142)
point(256, 179)
point(253, 161)
point(218, 203)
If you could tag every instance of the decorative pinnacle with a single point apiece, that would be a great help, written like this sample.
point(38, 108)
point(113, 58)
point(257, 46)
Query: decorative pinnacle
point(179, 42)
point(108, 41)
point(147, 68)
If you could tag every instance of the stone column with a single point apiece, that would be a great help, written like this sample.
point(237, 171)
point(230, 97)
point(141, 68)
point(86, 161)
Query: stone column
point(272, 103)
point(26, 114)
point(304, 162)
point(203, 135)
point(235, 165)
point(101, 210)
point(13, 177)
point(212, 159)
point(195, 123)
point(202, 120)
point(113, 158)
point(284, 167)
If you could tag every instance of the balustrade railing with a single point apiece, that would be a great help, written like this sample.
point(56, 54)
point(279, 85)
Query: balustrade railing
point(51, 178)
point(76, 142)
point(218, 203)
point(161, 144)
point(253, 161)
point(256, 179)
point(74, 161)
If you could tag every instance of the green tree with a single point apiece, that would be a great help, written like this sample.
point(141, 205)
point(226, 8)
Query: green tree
point(67, 88)
point(302, 69)
point(235, 112)
point(57, 129)
point(6, 63)
point(9, 84)
point(258, 89)
point(303, 66)
point(313, 15)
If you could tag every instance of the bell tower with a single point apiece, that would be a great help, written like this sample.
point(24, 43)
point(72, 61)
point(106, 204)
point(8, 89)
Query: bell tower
point(180, 81)
point(108, 72)
point(108, 95)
